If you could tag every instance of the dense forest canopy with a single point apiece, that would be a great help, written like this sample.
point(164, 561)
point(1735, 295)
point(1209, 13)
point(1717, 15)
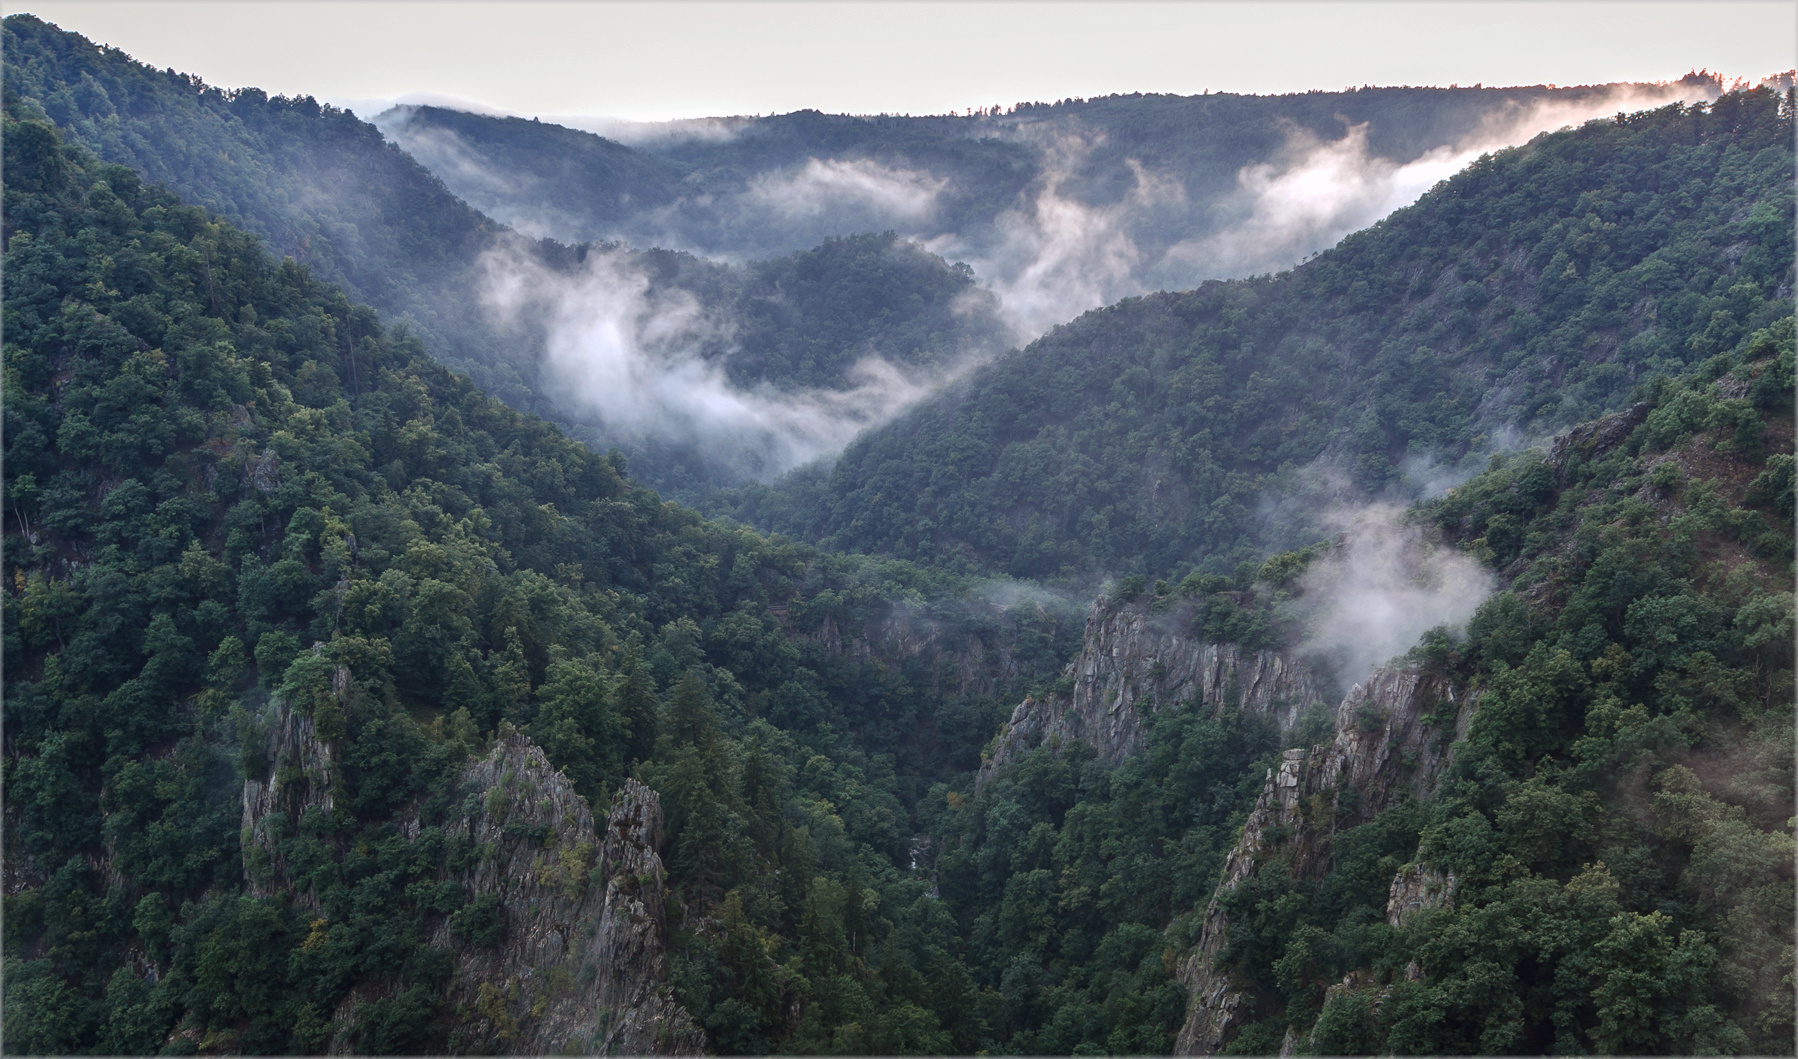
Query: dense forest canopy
point(239, 503)
point(1532, 291)
point(224, 479)
point(322, 187)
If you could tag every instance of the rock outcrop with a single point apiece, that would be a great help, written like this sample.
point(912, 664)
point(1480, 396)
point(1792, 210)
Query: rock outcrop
point(559, 941)
point(1417, 888)
point(1589, 440)
point(1393, 735)
point(1134, 661)
point(302, 775)
point(579, 965)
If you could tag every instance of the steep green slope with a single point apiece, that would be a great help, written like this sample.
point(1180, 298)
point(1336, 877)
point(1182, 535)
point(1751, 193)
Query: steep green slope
point(214, 460)
point(226, 485)
point(1527, 293)
point(1614, 834)
point(322, 187)
point(1618, 821)
point(319, 185)
point(551, 169)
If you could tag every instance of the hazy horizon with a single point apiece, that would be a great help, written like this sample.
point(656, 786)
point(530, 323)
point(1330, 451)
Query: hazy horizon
point(699, 60)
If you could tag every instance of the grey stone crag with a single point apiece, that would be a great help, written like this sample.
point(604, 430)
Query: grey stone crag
point(1134, 661)
point(580, 966)
point(1589, 440)
point(1393, 736)
point(302, 775)
point(1417, 888)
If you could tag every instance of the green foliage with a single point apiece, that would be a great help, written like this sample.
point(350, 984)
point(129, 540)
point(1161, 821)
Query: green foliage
point(1618, 821)
point(324, 188)
point(1145, 436)
point(226, 485)
point(1064, 876)
point(481, 922)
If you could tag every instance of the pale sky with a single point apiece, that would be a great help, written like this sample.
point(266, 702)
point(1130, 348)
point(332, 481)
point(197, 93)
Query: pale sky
point(654, 61)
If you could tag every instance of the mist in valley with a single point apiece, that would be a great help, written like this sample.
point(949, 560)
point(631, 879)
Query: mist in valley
point(1091, 225)
point(647, 362)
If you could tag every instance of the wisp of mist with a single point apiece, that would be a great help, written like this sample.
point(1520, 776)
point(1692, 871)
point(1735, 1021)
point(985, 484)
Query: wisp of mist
point(1381, 588)
point(1053, 257)
point(1326, 189)
point(628, 355)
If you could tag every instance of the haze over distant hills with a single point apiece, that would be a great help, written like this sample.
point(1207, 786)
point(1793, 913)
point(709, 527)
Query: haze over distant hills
point(712, 374)
point(1058, 207)
point(1390, 654)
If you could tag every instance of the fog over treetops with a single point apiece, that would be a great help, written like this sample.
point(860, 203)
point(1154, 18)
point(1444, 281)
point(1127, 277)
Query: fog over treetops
point(1059, 207)
point(1390, 653)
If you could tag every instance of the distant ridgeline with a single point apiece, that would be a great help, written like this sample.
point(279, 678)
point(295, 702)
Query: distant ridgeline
point(1538, 288)
point(322, 187)
point(349, 709)
point(323, 669)
point(715, 185)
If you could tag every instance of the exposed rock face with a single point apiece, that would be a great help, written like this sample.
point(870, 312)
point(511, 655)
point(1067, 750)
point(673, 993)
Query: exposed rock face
point(302, 776)
point(1393, 733)
point(579, 966)
point(561, 949)
point(1133, 660)
point(1595, 438)
point(1415, 888)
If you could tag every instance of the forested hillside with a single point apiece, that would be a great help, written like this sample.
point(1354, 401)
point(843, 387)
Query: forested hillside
point(315, 182)
point(1606, 865)
point(322, 187)
point(349, 709)
point(1529, 292)
point(232, 495)
point(770, 185)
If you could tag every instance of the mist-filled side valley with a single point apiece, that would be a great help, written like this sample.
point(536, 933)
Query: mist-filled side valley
point(1224, 574)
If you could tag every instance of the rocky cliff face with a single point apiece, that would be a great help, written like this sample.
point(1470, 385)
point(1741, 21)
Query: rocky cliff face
point(560, 948)
point(1134, 661)
point(1393, 734)
point(302, 776)
point(579, 964)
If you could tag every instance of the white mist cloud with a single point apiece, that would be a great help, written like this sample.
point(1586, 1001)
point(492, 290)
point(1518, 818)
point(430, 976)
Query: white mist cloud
point(1056, 257)
point(862, 185)
point(654, 133)
point(630, 357)
point(1327, 189)
point(505, 195)
point(1381, 588)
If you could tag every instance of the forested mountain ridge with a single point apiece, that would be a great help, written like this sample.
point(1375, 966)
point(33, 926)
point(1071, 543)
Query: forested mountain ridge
point(1568, 832)
point(349, 709)
point(1529, 292)
point(323, 187)
point(215, 460)
point(1603, 861)
point(315, 182)
point(768, 185)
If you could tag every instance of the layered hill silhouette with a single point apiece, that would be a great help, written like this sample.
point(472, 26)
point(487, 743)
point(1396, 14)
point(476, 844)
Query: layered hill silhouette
point(1540, 287)
point(349, 709)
